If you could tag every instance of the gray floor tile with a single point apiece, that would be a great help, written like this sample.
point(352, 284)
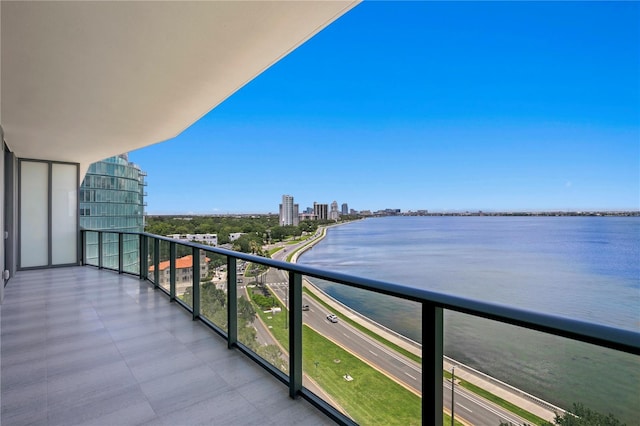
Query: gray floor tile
point(228, 408)
point(82, 346)
point(100, 405)
point(175, 391)
point(24, 405)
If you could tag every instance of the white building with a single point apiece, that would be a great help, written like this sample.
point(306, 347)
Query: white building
point(210, 239)
point(235, 235)
point(288, 212)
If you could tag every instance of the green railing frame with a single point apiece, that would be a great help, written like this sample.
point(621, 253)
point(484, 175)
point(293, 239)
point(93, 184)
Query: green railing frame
point(433, 305)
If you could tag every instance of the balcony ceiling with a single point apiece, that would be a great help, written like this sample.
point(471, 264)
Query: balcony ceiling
point(82, 81)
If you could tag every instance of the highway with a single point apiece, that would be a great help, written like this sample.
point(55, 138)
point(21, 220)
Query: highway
point(468, 406)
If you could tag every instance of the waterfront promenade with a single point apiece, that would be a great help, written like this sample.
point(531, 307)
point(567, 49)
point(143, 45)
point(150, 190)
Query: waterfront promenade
point(524, 400)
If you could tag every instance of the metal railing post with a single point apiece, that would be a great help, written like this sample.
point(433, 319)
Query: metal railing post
point(195, 290)
point(232, 302)
point(432, 351)
point(99, 249)
point(144, 257)
point(172, 271)
point(120, 252)
point(83, 248)
point(156, 262)
point(295, 334)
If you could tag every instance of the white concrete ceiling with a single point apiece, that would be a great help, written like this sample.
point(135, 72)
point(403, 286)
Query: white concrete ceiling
point(81, 81)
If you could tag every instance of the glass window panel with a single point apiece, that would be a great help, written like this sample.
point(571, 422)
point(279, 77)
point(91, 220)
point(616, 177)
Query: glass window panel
point(262, 311)
point(64, 213)
point(34, 209)
point(373, 373)
point(213, 289)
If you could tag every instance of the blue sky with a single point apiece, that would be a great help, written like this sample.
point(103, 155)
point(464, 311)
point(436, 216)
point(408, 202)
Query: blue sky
point(444, 106)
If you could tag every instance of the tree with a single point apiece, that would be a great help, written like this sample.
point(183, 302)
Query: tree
point(580, 416)
point(245, 310)
point(272, 354)
point(583, 416)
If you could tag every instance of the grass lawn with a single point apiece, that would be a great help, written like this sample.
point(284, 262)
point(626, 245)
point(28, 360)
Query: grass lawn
point(274, 250)
point(446, 421)
point(371, 397)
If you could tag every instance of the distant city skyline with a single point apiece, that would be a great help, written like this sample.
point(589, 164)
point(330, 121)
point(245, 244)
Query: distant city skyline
point(439, 106)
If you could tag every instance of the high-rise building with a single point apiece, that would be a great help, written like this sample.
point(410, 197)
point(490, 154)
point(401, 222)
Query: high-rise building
point(112, 198)
point(345, 209)
point(334, 214)
point(321, 211)
point(288, 211)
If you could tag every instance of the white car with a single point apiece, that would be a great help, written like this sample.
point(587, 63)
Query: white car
point(332, 318)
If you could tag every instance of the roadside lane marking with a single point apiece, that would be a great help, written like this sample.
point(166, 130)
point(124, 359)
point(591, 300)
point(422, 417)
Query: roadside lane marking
point(462, 406)
point(487, 405)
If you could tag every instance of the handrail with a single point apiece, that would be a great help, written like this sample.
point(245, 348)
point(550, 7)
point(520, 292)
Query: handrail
point(433, 304)
point(602, 335)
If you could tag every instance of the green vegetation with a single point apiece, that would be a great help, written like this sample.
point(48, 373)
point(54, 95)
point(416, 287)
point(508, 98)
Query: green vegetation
point(220, 225)
point(290, 256)
point(277, 322)
point(371, 397)
point(583, 416)
point(213, 307)
point(579, 416)
point(258, 230)
point(446, 421)
point(365, 395)
point(274, 250)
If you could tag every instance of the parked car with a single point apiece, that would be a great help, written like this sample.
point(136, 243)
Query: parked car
point(332, 318)
point(305, 307)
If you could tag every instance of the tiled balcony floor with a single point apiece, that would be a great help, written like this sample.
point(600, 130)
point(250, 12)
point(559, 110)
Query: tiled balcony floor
point(82, 346)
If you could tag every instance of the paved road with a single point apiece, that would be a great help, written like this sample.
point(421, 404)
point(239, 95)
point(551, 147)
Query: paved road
point(469, 407)
point(476, 410)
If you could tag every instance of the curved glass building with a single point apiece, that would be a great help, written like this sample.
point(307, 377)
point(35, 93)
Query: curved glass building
point(112, 198)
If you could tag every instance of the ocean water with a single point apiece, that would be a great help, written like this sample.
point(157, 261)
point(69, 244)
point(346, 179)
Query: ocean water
point(586, 268)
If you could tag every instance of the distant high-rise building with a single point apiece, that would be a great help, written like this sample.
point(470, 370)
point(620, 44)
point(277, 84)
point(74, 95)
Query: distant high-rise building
point(334, 214)
point(112, 199)
point(288, 211)
point(321, 211)
point(345, 209)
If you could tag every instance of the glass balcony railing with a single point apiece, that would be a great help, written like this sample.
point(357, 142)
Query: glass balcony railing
point(357, 371)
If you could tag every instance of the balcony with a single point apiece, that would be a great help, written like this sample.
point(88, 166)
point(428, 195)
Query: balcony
point(85, 345)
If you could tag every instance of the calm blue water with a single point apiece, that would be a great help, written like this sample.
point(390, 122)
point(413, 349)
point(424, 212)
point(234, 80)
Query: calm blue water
point(586, 268)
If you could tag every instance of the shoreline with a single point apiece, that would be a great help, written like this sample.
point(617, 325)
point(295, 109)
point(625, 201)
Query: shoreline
point(518, 397)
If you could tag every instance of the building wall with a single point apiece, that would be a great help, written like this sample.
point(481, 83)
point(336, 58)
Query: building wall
point(321, 211)
point(334, 214)
point(112, 198)
point(288, 211)
point(10, 187)
point(2, 207)
point(211, 239)
point(235, 235)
